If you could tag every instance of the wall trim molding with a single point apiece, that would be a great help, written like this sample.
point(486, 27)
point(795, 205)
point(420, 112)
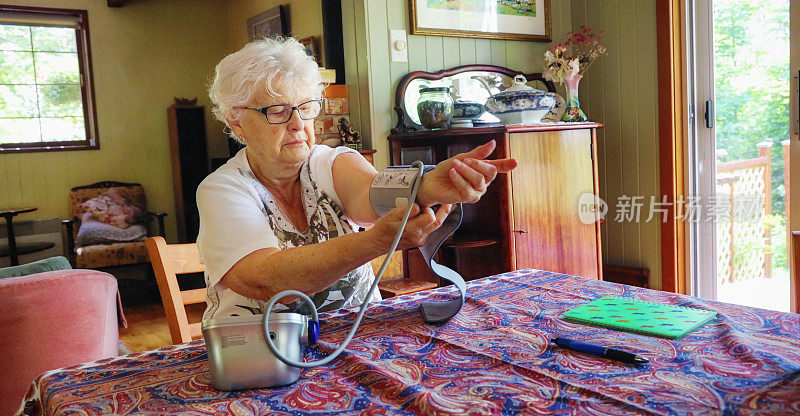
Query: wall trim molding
point(672, 140)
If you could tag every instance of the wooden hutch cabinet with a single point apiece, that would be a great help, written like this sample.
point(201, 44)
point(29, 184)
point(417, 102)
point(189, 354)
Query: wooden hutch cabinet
point(529, 217)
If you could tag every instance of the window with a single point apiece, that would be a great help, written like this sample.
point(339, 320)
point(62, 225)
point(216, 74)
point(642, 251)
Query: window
point(46, 91)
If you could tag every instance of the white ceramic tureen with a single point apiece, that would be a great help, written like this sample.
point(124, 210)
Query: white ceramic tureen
point(520, 104)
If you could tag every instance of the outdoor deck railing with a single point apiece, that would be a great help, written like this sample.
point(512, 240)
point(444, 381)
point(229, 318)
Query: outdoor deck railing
point(743, 203)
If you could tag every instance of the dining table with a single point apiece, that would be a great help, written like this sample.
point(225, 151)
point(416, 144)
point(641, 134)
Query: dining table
point(495, 357)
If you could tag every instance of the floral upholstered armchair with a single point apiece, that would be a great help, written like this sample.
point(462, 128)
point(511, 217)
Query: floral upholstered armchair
point(108, 225)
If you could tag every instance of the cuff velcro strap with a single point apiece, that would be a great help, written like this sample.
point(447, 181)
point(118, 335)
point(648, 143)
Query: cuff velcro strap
point(439, 312)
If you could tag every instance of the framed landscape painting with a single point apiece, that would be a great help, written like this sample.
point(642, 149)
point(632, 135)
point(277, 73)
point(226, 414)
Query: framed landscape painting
point(489, 19)
point(268, 24)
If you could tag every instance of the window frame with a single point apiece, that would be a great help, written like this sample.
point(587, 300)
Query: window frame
point(87, 85)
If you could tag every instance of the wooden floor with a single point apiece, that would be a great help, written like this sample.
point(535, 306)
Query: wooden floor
point(147, 325)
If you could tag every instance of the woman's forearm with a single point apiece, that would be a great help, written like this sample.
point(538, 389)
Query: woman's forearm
point(308, 269)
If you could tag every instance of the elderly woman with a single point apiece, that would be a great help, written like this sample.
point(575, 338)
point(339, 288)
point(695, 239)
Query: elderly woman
point(283, 213)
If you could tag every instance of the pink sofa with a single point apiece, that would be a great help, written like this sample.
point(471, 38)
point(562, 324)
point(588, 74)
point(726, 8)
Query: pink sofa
point(52, 320)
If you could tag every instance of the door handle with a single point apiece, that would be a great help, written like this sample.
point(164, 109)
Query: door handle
point(710, 114)
point(520, 231)
point(797, 120)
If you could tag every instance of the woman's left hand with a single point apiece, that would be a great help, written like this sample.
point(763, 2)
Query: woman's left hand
point(462, 178)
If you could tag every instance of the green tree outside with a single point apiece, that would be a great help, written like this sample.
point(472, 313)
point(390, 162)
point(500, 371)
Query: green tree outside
point(40, 92)
point(751, 65)
point(751, 76)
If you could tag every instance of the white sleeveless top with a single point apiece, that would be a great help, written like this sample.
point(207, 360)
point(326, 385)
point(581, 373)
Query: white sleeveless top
point(238, 216)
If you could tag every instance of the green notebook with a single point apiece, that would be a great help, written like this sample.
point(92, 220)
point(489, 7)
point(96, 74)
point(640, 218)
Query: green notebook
point(648, 318)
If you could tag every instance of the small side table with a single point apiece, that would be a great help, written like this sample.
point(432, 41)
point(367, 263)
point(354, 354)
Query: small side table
point(13, 250)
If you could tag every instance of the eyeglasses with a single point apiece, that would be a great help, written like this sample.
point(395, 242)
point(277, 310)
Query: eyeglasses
point(282, 113)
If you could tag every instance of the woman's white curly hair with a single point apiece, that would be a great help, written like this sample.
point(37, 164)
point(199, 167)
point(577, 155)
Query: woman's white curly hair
point(281, 63)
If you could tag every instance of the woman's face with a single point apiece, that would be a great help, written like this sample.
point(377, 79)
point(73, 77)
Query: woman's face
point(287, 143)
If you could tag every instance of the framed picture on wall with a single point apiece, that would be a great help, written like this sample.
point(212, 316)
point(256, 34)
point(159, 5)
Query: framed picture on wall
point(270, 23)
point(489, 19)
point(311, 49)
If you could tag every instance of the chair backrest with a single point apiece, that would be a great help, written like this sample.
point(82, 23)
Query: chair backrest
point(170, 260)
point(51, 320)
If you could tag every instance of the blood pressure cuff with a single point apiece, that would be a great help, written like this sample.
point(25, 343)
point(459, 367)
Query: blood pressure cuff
point(392, 188)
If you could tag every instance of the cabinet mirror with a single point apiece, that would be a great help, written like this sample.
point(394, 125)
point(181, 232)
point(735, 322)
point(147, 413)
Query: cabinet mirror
point(472, 83)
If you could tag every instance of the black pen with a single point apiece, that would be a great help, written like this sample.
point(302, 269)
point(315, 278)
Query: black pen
point(599, 351)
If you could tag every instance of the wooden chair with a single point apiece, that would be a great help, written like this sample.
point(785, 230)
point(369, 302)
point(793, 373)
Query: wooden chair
point(170, 260)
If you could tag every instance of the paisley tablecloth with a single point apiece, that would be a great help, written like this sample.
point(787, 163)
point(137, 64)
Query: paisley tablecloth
point(492, 358)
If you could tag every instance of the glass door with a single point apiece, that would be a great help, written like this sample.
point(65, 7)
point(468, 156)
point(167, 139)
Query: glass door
point(741, 124)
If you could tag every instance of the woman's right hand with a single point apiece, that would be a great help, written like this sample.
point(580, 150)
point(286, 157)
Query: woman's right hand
point(418, 228)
